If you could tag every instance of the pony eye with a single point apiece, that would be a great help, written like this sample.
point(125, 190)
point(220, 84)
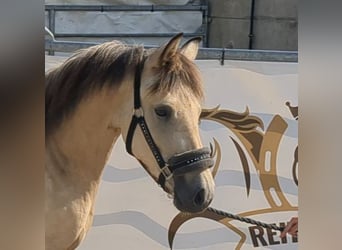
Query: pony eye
point(162, 111)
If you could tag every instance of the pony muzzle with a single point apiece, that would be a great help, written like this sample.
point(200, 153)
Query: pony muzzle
point(193, 186)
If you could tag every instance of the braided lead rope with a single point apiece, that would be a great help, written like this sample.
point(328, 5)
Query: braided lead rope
point(244, 219)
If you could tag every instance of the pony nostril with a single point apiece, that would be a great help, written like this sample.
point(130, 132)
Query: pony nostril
point(199, 198)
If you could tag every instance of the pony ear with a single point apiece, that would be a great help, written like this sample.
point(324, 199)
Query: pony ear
point(190, 48)
point(164, 53)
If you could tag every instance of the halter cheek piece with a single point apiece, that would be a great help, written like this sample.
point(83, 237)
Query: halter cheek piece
point(195, 160)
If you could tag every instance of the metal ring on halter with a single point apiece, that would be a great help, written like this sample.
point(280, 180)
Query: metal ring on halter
point(166, 172)
point(139, 112)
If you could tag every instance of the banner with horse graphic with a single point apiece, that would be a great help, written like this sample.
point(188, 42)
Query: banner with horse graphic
point(250, 117)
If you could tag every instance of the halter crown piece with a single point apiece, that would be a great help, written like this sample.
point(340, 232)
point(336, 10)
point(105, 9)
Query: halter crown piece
point(195, 160)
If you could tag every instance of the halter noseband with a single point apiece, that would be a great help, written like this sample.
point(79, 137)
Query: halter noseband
point(199, 159)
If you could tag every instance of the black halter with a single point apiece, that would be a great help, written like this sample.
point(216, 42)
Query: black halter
point(193, 160)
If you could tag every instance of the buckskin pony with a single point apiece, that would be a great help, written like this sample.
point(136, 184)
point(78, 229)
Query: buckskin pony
point(152, 98)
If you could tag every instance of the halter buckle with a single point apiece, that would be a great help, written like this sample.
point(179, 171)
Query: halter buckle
point(166, 172)
point(139, 112)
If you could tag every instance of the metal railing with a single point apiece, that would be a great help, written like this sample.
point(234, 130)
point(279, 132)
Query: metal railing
point(220, 54)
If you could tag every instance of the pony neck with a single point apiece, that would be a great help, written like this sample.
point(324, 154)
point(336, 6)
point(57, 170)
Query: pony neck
point(82, 144)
